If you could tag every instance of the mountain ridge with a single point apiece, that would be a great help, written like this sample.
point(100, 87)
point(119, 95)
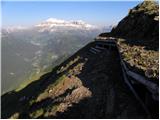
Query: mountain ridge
point(52, 23)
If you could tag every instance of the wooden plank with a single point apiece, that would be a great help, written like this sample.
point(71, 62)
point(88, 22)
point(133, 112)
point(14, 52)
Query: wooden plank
point(94, 49)
point(134, 92)
point(102, 48)
point(154, 87)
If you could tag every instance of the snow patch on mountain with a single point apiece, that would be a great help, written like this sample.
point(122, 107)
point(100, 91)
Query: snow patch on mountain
point(53, 24)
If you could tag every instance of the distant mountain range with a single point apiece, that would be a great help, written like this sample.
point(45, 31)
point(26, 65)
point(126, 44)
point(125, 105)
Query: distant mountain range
point(32, 50)
point(53, 24)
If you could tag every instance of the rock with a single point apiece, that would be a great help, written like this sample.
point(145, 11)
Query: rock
point(149, 73)
point(140, 24)
point(15, 116)
point(50, 91)
point(138, 38)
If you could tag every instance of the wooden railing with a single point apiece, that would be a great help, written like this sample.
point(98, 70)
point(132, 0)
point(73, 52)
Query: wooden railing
point(151, 87)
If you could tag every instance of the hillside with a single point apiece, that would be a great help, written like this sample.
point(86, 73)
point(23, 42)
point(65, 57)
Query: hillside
point(138, 39)
point(141, 23)
point(29, 52)
point(87, 85)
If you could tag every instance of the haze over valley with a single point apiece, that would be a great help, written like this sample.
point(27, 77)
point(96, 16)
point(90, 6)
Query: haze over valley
point(29, 52)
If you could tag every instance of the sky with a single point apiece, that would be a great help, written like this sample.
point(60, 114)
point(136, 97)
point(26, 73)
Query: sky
point(103, 13)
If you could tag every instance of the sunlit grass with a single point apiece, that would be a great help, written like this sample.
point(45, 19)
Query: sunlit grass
point(33, 77)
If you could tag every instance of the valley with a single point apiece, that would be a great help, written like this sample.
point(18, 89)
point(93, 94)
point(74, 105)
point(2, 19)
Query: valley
point(29, 53)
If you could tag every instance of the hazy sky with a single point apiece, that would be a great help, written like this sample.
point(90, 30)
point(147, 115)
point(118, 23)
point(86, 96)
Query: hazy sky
point(99, 13)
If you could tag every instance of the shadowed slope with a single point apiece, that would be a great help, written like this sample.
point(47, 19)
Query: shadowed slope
point(86, 85)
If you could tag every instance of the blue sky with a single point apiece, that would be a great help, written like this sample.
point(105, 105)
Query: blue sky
point(98, 13)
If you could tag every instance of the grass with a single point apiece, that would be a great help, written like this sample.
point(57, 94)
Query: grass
point(32, 88)
point(37, 113)
point(63, 68)
point(42, 96)
point(33, 77)
point(51, 109)
point(45, 94)
point(59, 80)
point(31, 102)
point(15, 116)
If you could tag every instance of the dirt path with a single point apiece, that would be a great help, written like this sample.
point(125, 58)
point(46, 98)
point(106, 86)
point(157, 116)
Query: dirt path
point(110, 96)
point(86, 85)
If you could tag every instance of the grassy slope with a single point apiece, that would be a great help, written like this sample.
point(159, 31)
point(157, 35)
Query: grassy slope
point(85, 83)
point(10, 100)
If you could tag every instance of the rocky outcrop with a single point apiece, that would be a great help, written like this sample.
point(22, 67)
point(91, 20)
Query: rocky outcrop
point(138, 37)
point(141, 23)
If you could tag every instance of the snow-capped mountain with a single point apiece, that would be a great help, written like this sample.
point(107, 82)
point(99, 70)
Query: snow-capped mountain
point(53, 24)
point(37, 48)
